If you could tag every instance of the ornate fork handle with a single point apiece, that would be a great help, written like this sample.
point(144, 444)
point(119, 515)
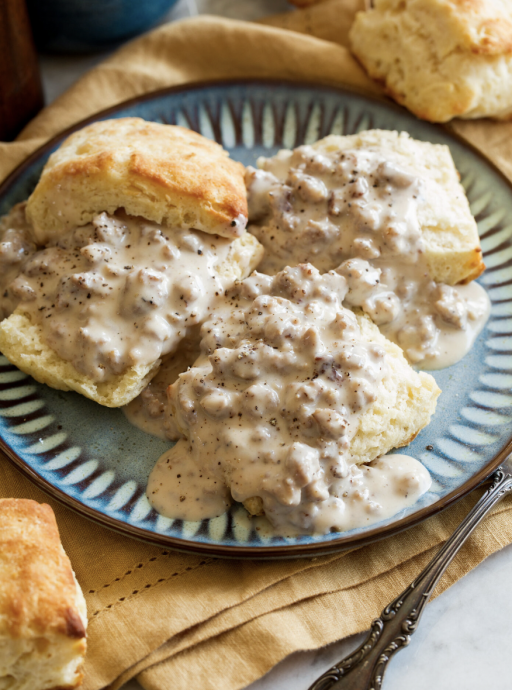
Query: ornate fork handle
point(364, 669)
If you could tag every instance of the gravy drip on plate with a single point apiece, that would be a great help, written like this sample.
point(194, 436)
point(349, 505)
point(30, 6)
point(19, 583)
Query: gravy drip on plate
point(150, 411)
point(356, 211)
point(121, 291)
point(270, 409)
point(16, 246)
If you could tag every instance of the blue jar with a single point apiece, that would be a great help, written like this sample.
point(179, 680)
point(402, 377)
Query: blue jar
point(80, 26)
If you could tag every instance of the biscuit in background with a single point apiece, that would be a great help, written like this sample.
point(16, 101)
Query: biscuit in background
point(164, 173)
point(43, 616)
point(440, 58)
point(306, 3)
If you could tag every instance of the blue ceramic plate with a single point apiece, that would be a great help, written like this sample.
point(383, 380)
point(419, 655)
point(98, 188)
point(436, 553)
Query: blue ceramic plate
point(92, 460)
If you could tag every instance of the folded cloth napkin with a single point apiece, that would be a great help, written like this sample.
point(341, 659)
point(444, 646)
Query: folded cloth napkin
point(170, 618)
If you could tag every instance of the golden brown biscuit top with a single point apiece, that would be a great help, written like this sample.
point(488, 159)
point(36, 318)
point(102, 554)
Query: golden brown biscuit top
point(486, 24)
point(165, 173)
point(37, 587)
point(167, 154)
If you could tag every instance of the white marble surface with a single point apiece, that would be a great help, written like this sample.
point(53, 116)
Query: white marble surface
point(459, 644)
point(463, 638)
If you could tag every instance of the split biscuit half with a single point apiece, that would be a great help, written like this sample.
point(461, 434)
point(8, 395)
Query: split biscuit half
point(449, 234)
point(449, 231)
point(159, 173)
point(22, 342)
point(165, 173)
point(406, 400)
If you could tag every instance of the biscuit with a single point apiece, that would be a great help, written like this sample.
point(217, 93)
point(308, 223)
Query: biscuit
point(164, 173)
point(288, 384)
point(305, 3)
point(449, 232)
point(440, 58)
point(406, 401)
point(43, 616)
point(22, 342)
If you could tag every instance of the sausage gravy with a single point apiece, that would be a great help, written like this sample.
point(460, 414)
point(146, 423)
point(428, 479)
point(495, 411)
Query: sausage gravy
point(270, 409)
point(266, 408)
point(357, 211)
point(149, 411)
point(121, 291)
point(16, 247)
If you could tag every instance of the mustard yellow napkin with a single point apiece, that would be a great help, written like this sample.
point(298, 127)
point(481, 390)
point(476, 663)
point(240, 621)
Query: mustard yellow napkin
point(173, 619)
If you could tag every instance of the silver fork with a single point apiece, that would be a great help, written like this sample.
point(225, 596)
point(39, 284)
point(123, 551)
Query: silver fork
point(364, 668)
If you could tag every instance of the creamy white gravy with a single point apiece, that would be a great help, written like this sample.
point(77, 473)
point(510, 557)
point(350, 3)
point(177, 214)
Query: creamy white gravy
point(181, 488)
point(357, 212)
point(434, 324)
point(16, 247)
point(270, 409)
point(453, 343)
point(375, 491)
point(121, 291)
point(150, 410)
